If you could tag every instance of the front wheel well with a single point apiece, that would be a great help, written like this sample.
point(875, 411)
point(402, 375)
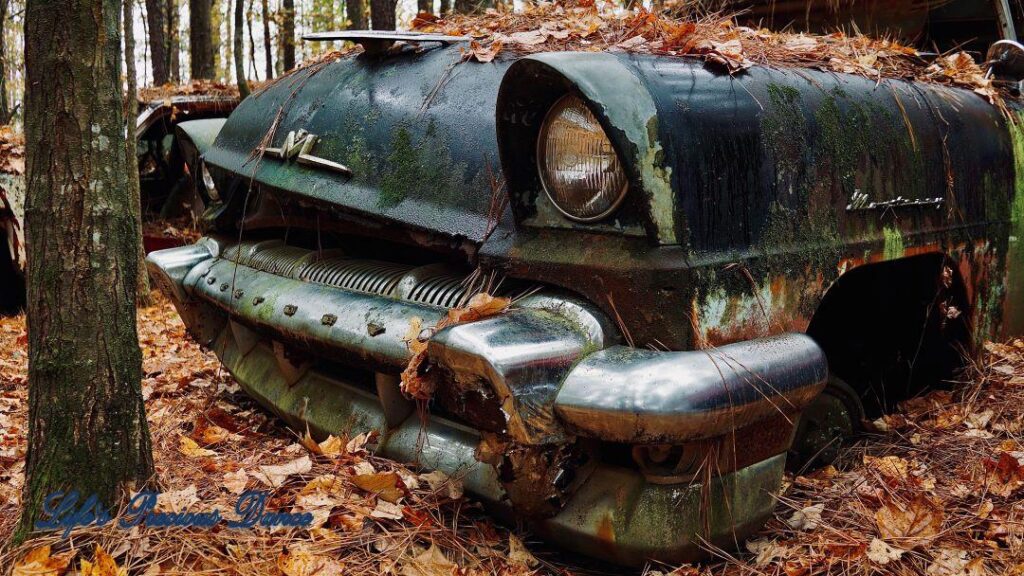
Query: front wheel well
point(894, 329)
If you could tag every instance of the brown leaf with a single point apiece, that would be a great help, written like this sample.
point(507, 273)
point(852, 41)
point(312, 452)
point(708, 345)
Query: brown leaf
point(383, 484)
point(909, 524)
point(298, 561)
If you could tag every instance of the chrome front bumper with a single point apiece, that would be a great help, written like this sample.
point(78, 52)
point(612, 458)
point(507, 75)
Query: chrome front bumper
point(552, 365)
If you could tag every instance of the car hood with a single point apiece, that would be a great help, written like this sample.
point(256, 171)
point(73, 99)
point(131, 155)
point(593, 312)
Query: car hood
point(417, 130)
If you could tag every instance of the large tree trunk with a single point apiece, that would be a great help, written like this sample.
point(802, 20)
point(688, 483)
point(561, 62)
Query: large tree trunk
point(382, 14)
point(243, 84)
point(158, 48)
point(131, 111)
point(267, 53)
point(173, 42)
point(288, 34)
point(87, 426)
point(200, 43)
point(356, 11)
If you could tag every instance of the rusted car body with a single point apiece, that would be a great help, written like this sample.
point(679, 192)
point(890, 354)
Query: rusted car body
point(793, 247)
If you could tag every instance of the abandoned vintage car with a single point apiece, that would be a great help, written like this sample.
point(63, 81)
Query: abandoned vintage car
point(712, 274)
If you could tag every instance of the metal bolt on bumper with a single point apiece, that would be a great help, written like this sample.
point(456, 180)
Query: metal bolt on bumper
point(561, 381)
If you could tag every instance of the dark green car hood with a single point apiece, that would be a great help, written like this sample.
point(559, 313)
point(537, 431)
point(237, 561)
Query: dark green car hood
point(416, 129)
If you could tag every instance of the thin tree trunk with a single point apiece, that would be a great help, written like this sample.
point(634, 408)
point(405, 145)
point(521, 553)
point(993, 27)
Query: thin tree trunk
point(199, 39)
point(267, 53)
point(218, 14)
point(87, 426)
point(158, 45)
point(356, 11)
point(252, 43)
point(473, 6)
point(445, 8)
point(288, 34)
point(382, 14)
point(131, 111)
point(5, 105)
point(426, 6)
point(243, 84)
point(173, 42)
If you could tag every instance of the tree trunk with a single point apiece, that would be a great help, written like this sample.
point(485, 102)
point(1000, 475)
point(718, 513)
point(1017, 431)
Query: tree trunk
point(173, 42)
point(382, 14)
point(252, 43)
point(5, 105)
point(218, 13)
point(267, 53)
point(243, 84)
point(131, 111)
point(445, 8)
point(473, 6)
point(158, 40)
point(425, 6)
point(288, 34)
point(200, 43)
point(87, 426)
point(356, 11)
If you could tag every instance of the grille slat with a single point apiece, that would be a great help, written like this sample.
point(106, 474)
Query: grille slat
point(433, 285)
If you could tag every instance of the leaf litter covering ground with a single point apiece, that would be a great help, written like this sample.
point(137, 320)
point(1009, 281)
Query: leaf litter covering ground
point(936, 490)
point(717, 39)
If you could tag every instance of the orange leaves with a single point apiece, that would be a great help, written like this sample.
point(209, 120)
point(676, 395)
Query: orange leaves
point(40, 562)
point(1005, 476)
point(299, 561)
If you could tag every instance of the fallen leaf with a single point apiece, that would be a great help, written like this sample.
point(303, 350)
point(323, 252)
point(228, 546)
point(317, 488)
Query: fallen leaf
point(387, 510)
point(236, 481)
point(881, 553)
point(188, 447)
point(807, 518)
point(39, 562)
point(909, 524)
point(431, 562)
point(384, 484)
point(177, 500)
point(1005, 476)
point(441, 482)
point(331, 446)
point(102, 565)
point(518, 555)
point(298, 561)
point(274, 476)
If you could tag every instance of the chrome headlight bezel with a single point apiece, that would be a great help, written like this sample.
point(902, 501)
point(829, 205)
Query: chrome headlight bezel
point(208, 182)
point(542, 170)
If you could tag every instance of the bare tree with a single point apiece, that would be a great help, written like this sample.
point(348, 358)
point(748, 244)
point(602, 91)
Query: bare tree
point(5, 107)
point(267, 54)
point(356, 10)
point(87, 427)
point(288, 34)
point(382, 14)
point(200, 42)
point(243, 84)
point(158, 44)
point(173, 42)
point(131, 110)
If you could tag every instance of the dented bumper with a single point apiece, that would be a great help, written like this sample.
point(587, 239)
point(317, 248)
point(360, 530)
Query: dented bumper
point(532, 403)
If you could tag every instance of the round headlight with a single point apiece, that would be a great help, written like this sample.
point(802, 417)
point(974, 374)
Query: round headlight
point(211, 187)
point(580, 171)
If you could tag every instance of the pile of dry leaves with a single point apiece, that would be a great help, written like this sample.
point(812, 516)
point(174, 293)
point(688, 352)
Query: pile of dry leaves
point(589, 26)
point(12, 151)
point(937, 490)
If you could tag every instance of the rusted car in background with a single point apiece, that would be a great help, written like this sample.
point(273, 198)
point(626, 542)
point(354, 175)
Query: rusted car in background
point(166, 187)
point(711, 273)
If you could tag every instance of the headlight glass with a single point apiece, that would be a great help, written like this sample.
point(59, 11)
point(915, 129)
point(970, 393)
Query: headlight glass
point(581, 172)
point(211, 187)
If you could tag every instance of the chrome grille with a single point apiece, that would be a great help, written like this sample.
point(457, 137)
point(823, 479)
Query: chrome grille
point(279, 260)
point(371, 276)
point(444, 290)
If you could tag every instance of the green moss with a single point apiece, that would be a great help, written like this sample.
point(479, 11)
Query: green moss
point(894, 247)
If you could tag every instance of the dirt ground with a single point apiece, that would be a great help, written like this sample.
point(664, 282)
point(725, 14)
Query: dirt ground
point(938, 489)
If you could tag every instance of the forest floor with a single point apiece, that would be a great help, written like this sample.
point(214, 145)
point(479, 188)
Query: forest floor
point(937, 490)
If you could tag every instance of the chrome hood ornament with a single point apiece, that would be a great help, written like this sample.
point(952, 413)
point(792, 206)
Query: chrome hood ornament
point(298, 147)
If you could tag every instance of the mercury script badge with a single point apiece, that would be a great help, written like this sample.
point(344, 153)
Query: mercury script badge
point(860, 202)
point(298, 147)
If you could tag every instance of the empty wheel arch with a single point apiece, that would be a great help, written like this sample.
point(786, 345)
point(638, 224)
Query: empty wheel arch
point(894, 329)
